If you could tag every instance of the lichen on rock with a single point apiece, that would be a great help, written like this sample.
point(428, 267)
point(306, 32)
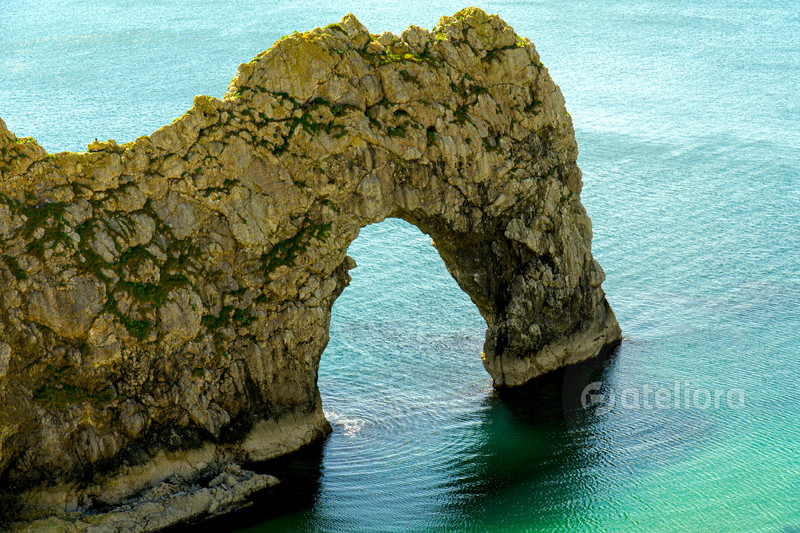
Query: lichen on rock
point(166, 301)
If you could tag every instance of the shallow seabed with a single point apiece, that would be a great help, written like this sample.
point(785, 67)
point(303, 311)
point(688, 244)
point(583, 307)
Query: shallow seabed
point(687, 117)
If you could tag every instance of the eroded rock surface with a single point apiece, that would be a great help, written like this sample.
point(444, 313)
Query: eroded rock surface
point(165, 302)
point(169, 503)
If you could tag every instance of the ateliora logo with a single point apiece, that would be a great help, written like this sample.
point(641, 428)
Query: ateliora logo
point(681, 395)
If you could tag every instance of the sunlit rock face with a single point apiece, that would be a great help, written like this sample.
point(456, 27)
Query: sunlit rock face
point(166, 301)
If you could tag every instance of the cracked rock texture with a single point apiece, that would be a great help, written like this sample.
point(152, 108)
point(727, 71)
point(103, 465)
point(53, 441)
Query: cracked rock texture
point(165, 302)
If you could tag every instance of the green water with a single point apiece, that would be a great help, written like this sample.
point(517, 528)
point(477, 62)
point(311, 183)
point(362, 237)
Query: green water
point(687, 115)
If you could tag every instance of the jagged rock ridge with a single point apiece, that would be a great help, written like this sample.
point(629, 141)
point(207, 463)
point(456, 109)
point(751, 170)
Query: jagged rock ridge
point(166, 301)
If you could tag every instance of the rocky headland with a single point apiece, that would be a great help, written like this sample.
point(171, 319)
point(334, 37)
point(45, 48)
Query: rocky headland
point(165, 302)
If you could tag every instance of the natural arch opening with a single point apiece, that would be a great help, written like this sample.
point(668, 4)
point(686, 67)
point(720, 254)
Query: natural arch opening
point(401, 314)
point(401, 380)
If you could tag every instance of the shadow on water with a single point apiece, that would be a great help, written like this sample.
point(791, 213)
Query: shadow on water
point(523, 462)
point(539, 459)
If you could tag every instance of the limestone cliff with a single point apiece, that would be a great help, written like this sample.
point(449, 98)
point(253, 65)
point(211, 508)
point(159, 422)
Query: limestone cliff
point(165, 302)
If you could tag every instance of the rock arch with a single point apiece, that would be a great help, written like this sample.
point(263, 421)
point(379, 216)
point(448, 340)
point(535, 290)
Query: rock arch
point(166, 301)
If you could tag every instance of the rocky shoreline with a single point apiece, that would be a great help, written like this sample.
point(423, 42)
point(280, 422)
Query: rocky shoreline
point(171, 502)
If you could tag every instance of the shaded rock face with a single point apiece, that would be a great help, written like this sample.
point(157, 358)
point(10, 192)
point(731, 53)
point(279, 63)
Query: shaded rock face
point(165, 302)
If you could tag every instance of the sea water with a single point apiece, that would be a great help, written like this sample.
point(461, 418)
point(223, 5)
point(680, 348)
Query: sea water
point(687, 115)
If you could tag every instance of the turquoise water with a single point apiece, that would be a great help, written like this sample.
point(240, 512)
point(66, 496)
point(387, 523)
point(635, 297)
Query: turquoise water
point(687, 115)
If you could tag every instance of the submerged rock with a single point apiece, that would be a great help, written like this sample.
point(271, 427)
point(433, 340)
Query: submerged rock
point(166, 301)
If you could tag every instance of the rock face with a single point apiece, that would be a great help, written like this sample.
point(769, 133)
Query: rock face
point(169, 503)
point(165, 302)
